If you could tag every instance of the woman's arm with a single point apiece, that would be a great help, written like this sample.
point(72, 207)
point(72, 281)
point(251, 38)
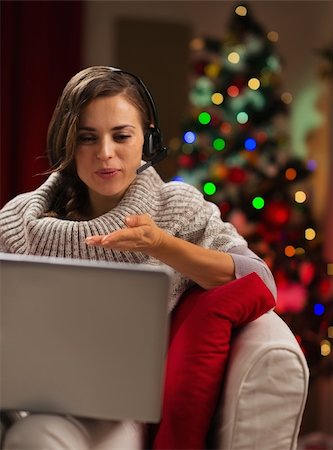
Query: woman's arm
point(206, 267)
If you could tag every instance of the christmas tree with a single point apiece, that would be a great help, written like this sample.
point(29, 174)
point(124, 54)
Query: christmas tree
point(236, 149)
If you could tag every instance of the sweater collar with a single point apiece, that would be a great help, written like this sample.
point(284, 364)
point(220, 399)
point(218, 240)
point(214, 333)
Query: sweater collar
point(138, 199)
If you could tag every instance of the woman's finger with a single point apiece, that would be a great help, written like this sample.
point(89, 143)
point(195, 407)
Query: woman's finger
point(126, 237)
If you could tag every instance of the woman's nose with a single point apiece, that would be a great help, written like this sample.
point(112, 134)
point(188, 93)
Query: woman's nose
point(105, 149)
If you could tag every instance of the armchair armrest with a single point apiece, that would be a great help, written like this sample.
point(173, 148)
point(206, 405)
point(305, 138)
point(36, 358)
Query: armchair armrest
point(265, 389)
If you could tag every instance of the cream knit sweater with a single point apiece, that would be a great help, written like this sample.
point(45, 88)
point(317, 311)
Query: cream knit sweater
point(176, 207)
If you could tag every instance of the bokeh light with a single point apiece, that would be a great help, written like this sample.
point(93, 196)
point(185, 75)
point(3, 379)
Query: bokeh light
point(325, 347)
point(197, 44)
point(217, 98)
point(329, 268)
point(273, 36)
point(219, 144)
point(287, 98)
point(290, 251)
point(310, 234)
point(174, 144)
point(189, 137)
point(204, 118)
point(300, 196)
point(178, 178)
point(241, 10)
point(233, 91)
point(290, 174)
point(250, 144)
point(226, 127)
point(254, 83)
point(311, 165)
point(258, 202)
point(212, 70)
point(209, 188)
point(318, 309)
point(233, 57)
point(187, 149)
point(242, 117)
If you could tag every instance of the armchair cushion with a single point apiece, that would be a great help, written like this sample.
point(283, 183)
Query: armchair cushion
point(199, 344)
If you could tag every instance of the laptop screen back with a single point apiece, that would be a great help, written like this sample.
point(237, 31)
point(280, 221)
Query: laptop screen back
point(83, 338)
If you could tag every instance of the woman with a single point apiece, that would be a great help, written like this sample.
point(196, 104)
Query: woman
point(95, 205)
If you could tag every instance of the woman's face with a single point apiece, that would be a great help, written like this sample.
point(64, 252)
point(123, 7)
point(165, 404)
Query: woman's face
point(108, 151)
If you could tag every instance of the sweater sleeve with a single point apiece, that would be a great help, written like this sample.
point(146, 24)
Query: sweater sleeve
point(201, 223)
point(206, 228)
point(246, 261)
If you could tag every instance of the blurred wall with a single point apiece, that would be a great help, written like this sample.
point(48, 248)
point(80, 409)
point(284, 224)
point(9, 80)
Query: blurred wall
point(303, 26)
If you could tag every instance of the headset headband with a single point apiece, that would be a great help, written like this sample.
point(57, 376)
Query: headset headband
point(146, 91)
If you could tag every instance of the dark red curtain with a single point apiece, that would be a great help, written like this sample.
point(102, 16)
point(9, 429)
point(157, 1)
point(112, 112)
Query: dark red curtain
point(40, 51)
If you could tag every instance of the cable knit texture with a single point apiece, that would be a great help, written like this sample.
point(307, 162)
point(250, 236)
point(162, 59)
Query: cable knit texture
point(176, 207)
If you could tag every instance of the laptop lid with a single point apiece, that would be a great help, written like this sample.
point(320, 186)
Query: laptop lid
point(82, 337)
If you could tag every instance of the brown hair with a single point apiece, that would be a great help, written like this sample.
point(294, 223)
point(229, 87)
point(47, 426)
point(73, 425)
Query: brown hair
point(88, 84)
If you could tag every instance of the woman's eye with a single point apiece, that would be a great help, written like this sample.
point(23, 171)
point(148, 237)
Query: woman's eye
point(86, 139)
point(121, 137)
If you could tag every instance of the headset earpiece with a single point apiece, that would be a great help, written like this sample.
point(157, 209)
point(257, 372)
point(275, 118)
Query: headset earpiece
point(152, 142)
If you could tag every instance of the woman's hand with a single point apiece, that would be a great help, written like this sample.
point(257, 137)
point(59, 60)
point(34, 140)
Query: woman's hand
point(208, 268)
point(141, 235)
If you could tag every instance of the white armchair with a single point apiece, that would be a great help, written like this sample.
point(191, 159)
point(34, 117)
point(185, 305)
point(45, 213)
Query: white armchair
point(265, 389)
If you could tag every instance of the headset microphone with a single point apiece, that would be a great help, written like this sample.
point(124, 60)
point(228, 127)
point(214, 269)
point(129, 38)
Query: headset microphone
point(154, 160)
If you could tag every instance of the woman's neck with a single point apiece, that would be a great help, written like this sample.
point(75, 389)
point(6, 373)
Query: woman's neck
point(98, 206)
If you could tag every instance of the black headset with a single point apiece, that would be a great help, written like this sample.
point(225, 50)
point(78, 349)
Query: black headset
point(153, 148)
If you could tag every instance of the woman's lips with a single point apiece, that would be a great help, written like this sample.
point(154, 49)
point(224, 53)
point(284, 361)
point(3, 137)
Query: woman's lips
point(107, 173)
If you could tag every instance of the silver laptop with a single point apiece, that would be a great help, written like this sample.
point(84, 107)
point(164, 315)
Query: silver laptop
point(83, 338)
